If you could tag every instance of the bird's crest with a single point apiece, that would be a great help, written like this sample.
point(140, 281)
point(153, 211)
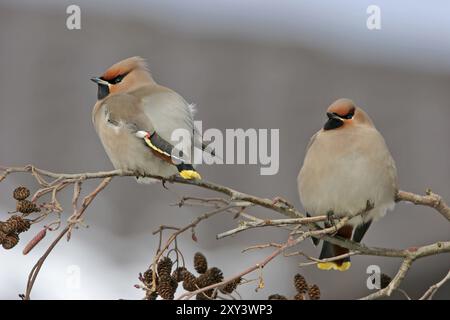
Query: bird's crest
point(124, 67)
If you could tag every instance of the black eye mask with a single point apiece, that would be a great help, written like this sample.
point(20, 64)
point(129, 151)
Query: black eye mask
point(349, 115)
point(333, 122)
point(117, 79)
point(103, 89)
point(336, 121)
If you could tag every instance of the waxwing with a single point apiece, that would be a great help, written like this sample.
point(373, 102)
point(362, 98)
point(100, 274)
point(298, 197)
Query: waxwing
point(136, 119)
point(347, 166)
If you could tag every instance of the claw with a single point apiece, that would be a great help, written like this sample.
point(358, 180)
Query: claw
point(330, 218)
point(163, 182)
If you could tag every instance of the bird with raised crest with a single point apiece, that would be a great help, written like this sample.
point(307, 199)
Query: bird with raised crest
point(136, 118)
point(347, 171)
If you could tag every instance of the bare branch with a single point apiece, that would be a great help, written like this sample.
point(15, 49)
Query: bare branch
point(428, 295)
point(299, 226)
point(245, 225)
point(394, 284)
point(77, 214)
point(257, 266)
point(431, 200)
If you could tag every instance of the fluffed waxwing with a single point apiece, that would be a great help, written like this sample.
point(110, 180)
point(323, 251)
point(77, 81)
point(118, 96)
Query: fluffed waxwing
point(135, 118)
point(347, 165)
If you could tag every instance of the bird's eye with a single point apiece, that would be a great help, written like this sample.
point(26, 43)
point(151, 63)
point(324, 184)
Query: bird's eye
point(349, 115)
point(117, 79)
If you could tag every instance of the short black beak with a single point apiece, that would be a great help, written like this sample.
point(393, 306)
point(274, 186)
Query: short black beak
point(331, 115)
point(333, 122)
point(97, 80)
point(103, 87)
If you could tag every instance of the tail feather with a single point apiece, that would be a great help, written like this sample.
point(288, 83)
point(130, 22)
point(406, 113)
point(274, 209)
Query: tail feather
point(188, 172)
point(330, 250)
point(361, 231)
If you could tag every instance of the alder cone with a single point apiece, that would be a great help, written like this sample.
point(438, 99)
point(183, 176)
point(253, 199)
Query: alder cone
point(211, 276)
point(21, 193)
point(277, 296)
point(164, 266)
point(189, 282)
point(10, 241)
point(165, 288)
point(300, 283)
point(230, 286)
point(200, 263)
point(206, 295)
point(314, 292)
point(17, 224)
point(178, 274)
point(299, 296)
point(385, 280)
point(27, 207)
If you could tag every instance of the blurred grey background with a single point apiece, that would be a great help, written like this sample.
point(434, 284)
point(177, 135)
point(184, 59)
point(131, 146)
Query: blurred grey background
point(246, 64)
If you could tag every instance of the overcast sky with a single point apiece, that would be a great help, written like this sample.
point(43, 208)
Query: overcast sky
point(414, 33)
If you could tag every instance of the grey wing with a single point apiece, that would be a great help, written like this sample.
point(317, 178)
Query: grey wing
point(168, 111)
point(123, 111)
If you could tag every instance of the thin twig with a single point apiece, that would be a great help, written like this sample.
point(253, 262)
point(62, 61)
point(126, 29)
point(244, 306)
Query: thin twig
point(303, 227)
point(428, 295)
point(37, 267)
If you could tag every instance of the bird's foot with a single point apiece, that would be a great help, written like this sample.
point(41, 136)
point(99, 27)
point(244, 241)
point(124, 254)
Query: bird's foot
point(163, 183)
point(330, 219)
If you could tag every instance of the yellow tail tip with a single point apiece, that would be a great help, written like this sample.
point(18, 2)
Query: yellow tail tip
point(190, 175)
point(334, 266)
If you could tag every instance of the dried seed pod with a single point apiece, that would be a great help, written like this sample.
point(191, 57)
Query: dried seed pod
point(173, 283)
point(3, 227)
point(165, 287)
point(314, 292)
point(27, 207)
point(277, 297)
point(384, 280)
point(201, 296)
point(215, 274)
point(299, 296)
point(164, 266)
point(300, 283)
point(151, 295)
point(230, 286)
point(211, 276)
point(17, 224)
point(189, 281)
point(148, 277)
point(206, 295)
point(10, 241)
point(2, 235)
point(21, 193)
point(178, 274)
point(203, 281)
point(200, 263)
